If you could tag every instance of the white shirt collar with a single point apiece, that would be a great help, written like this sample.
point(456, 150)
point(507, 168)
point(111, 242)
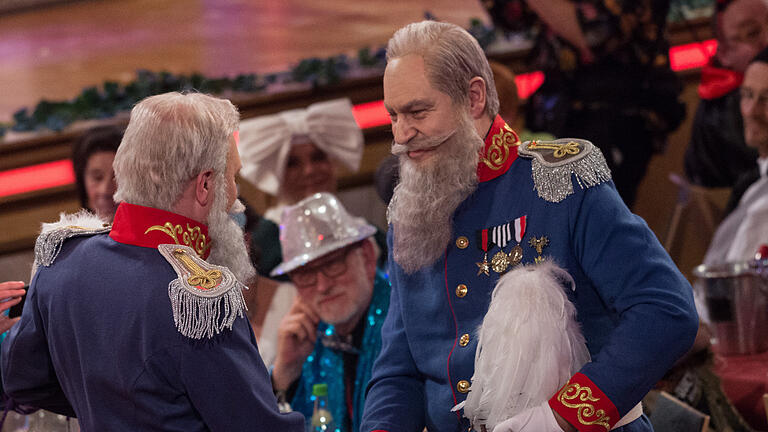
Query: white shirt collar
point(762, 164)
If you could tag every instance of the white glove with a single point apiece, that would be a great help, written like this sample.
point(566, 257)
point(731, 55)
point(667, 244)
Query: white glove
point(536, 419)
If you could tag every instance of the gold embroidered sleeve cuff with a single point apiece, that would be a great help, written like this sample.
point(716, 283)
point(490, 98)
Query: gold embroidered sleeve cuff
point(584, 405)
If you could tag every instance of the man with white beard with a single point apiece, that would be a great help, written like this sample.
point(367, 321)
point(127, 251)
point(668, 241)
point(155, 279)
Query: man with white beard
point(128, 327)
point(474, 202)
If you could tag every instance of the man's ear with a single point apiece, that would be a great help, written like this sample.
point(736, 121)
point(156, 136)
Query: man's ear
point(477, 97)
point(204, 188)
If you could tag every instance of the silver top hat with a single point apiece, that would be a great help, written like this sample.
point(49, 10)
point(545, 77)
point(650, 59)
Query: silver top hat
point(316, 226)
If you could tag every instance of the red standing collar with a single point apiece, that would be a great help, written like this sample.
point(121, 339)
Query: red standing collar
point(148, 227)
point(499, 152)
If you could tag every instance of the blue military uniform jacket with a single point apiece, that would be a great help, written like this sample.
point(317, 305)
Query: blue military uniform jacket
point(635, 308)
point(97, 338)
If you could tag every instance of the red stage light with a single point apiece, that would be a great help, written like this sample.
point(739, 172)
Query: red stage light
point(693, 55)
point(36, 177)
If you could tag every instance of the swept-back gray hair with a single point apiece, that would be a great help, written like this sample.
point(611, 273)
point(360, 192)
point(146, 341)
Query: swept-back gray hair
point(451, 56)
point(170, 139)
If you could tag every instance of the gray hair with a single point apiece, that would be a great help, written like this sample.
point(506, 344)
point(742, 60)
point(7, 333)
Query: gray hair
point(170, 139)
point(452, 57)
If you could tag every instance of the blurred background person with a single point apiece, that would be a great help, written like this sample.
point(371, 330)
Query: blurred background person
point(509, 103)
point(290, 155)
point(332, 333)
point(740, 236)
point(607, 76)
point(717, 153)
point(92, 157)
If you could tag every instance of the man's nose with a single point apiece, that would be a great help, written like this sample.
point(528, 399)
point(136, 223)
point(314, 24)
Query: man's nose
point(324, 283)
point(749, 108)
point(403, 131)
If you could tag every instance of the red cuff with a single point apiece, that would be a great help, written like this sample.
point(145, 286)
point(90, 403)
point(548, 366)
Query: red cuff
point(584, 405)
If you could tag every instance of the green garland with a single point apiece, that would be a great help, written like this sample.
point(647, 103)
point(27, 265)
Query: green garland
point(112, 97)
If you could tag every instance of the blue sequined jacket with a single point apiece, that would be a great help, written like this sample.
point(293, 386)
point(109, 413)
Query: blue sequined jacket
point(326, 365)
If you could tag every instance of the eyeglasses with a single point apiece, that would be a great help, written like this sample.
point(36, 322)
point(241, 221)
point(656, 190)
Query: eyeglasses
point(332, 266)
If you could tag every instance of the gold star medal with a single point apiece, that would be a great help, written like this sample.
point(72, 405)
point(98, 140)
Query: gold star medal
point(484, 266)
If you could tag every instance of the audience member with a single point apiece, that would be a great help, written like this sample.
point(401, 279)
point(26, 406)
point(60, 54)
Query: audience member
point(128, 327)
point(10, 295)
point(717, 154)
point(292, 155)
point(92, 157)
point(270, 299)
point(741, 234)
point(331, 334)
point(607, 76)
point(509, 103)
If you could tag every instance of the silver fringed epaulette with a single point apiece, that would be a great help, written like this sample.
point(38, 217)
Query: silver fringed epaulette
point(554, 162)
point(53, 235)
point(205, 298)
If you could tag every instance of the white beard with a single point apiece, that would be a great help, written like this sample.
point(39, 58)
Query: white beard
point(228, 242)
point(421, 210)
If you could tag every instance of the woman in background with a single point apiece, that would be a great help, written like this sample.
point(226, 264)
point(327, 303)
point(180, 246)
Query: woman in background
point(92, 157)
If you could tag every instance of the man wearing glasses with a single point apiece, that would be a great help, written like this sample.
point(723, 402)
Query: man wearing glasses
point(332, 333)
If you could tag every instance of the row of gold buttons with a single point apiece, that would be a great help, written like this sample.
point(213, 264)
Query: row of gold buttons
point(461, 291)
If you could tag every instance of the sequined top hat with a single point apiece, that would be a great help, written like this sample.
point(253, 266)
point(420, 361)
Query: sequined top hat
point(316, 226)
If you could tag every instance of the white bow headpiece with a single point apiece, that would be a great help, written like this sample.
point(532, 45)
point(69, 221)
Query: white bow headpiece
point(265, 141)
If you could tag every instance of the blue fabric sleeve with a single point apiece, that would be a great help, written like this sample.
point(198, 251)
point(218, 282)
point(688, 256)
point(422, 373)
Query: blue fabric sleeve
point(395, 396)
point(229, 364)
point(27, 368)
point(641, 286)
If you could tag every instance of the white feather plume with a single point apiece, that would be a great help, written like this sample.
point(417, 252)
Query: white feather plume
point(529, 345)
point(52, 235)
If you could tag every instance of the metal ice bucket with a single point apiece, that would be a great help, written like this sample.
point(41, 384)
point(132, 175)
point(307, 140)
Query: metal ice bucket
point(736, 298)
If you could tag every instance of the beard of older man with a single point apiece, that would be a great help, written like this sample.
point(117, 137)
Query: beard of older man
point(229, 248)
point(421, 210)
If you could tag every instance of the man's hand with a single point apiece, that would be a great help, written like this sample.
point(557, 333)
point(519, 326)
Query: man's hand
point(295, 340)
point(536, 419)
point(10, 294)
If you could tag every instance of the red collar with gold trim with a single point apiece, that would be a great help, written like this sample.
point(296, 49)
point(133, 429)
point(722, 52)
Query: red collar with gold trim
point(148, 227)
point(499, 152)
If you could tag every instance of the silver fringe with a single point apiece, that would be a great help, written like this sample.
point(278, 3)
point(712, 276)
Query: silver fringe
point(553, 182)
point(200, 317)
point(198, 313)
point(48, 243)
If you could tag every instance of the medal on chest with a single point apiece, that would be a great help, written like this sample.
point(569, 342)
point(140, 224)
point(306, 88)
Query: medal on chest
point(501, 236)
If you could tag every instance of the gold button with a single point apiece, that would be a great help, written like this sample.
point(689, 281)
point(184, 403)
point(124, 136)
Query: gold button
point(461, 290)
point(464, 340)
point(462, 386)
point(462, 242)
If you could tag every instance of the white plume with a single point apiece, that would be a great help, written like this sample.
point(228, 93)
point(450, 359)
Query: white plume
point(529, 345)
point(53, 234)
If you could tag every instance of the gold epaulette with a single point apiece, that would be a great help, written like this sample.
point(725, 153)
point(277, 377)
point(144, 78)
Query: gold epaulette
point(554, 162)
point(205, 298)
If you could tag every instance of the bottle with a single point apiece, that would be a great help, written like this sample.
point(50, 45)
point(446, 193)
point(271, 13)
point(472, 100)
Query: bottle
point(322, 420)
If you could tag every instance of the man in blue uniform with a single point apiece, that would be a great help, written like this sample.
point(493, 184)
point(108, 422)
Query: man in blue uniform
point(128, 327)
point(468, 209)
point(332, 333)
